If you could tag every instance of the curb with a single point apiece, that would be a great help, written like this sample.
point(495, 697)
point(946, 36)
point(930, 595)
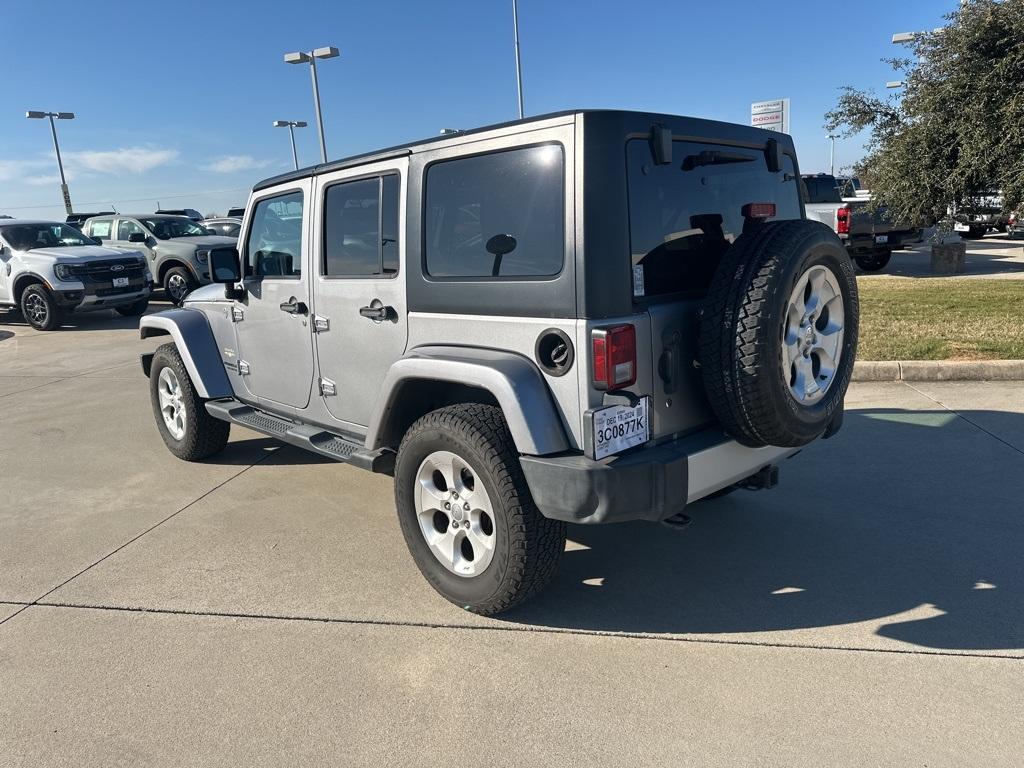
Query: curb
point(938, 370)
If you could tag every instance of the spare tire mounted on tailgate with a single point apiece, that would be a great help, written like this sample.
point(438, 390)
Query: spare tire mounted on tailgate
point(778, 333)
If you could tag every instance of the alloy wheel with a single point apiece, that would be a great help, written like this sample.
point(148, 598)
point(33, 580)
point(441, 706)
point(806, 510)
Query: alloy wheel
point(812, 335)
point(172, 406)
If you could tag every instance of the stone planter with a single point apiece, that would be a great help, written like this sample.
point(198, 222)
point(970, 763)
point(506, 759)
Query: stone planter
point(948, 258)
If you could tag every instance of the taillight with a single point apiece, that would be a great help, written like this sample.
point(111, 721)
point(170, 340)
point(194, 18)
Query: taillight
point(614, 357)
point(843, 220)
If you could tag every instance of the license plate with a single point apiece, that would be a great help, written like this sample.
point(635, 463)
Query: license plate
point(961, 227)
point(120, 282)
point(881, 238)
point(619, 427)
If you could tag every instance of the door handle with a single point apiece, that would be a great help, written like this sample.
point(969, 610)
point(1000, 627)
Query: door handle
point(376, 311)
point(293, 307)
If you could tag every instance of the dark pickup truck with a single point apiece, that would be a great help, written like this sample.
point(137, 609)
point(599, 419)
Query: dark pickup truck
point(870, 236)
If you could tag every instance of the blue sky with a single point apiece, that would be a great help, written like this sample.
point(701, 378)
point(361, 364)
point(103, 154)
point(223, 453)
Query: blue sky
point(174, 102)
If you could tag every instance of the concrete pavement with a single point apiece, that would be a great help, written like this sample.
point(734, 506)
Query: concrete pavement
point(261, 609)
point(993, 256)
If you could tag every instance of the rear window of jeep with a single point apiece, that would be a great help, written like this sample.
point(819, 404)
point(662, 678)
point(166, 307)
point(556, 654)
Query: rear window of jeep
point(496, 215)
point(684, 215)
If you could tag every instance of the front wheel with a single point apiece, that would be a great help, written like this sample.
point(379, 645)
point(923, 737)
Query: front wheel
point(189, 432)
point(40, 309)
point(178, 283)
point(136, 309)
point(874, 261)
point(466, 512)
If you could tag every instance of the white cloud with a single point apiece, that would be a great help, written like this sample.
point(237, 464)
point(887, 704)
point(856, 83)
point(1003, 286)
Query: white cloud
point(235, 163)
point(125, 159)
point(46, 180)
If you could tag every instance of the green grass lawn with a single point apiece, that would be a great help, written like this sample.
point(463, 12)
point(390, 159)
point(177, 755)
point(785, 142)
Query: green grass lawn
point(941, 319)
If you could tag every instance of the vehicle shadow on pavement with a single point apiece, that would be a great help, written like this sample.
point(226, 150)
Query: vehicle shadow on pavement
point(902, 511)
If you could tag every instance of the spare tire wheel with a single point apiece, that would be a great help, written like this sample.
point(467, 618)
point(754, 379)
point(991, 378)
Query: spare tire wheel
point(778, 333)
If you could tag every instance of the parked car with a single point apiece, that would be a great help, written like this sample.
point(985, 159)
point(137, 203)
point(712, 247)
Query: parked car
point(587, 317)
point(49, 269)
point(1015, 225)
point(191, 213)
point(228, 226)
point(850, 187)
point(978, 214)
point(176, 247)
point(870, 236)
point(76, 220)
point(237, 212)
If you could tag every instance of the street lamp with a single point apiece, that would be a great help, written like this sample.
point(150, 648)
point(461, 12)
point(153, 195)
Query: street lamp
point(36, 115)
point(832, 156)
point(291, 125)
point(303, 57)
point(519, 71)
point(894, 84)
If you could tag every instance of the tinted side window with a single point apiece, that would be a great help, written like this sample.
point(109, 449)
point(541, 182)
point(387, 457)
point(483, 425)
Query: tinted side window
point(274, 246)
point(496, 215)
point(100, 229)
point(683, 216)
point(126, 227)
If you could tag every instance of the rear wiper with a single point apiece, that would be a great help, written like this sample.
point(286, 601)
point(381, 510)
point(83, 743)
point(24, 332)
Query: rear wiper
point(714, 157)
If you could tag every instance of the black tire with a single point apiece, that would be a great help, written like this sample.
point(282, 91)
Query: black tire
point(974, 233)
point(204, 435)
point(874, 261)
point(134, 310)
point(528, 546)
point(40, 309)
point(174, 278)
point(741, 327)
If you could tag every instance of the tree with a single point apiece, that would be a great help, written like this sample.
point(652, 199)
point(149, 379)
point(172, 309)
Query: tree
point(957, 129)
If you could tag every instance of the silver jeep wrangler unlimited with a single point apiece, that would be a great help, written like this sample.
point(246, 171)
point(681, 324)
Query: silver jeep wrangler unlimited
point(586, 317)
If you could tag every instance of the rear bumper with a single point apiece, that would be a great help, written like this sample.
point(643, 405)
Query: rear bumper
point(645, 484)
point(894, 241)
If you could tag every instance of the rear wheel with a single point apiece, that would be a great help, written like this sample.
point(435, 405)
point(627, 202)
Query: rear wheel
point(974, 233)
point(466, 512)
point(178, 283)
point(874, 261)
point(40, 309)
point(189, 432)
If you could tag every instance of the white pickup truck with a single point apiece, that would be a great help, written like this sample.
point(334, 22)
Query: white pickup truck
point(870, 237)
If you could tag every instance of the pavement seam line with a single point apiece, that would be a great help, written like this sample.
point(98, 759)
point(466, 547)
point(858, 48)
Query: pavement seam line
point(138, 536)
point(961, 416)
point(538, 630)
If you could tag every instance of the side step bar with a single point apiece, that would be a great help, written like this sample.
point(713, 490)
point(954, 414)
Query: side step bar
point(305, 436)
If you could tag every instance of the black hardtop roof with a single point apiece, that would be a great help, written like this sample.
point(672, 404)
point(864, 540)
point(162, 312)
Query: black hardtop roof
point(634, 121)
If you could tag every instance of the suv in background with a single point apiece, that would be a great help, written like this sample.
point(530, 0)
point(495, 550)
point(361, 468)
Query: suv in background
point(228, 226)
point(77, 220)
point(176, 247)
point(869, 234)
point(583, 317)
point(191, 213)
point(49, 269)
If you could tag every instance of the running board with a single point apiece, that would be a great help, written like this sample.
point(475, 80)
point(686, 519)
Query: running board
point(304, 436)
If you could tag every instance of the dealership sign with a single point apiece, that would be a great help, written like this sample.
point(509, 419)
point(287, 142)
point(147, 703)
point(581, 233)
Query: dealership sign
point(772, 115)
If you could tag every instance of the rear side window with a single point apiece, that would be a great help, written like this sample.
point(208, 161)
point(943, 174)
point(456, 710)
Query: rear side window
point(683, 216)
point(274, 246)
point(496, 215)
point(99, 229)
point(823, 189)
point(361, 228)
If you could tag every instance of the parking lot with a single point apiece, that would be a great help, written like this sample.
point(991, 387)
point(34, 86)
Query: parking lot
point(261, 609)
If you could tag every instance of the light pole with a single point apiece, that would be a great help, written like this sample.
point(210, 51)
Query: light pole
point(303, 57)
point(35, 115)
point(291, 125)
point(832, 156)
point(519, 70)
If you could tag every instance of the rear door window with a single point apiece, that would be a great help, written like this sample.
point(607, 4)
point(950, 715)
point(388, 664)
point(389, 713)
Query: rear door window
point(100, 230)
point(497, 215)
point(684, 215)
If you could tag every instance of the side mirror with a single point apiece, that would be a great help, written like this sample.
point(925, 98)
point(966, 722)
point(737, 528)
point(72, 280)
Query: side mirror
point(225, 270)
point(137, 237)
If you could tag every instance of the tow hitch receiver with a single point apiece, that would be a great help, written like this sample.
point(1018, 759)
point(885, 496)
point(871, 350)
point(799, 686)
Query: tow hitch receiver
point(766, 477)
